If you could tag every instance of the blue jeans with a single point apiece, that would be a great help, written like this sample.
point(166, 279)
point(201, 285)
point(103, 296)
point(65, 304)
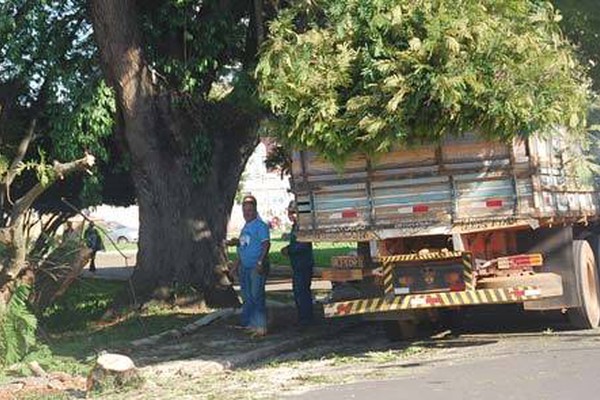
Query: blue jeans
point(301, 280)
point(254, 308)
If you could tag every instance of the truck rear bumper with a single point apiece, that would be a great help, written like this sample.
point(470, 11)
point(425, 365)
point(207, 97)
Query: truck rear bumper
point(544, 287)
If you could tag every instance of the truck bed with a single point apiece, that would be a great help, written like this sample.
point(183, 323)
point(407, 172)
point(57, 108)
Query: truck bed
point(463, 185)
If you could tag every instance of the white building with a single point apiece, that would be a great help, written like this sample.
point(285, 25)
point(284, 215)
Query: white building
point(270, 190)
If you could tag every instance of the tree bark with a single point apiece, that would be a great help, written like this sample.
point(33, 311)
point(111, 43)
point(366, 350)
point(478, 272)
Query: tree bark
point(183, 217)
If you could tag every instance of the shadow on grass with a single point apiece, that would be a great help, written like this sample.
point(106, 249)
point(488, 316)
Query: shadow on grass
point(117, 336)
point(74, 328)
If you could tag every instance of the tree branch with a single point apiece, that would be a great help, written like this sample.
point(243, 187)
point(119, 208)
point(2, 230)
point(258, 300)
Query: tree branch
point(117, 34)
point(21, 151)
point(259, 21)
point(60, 171)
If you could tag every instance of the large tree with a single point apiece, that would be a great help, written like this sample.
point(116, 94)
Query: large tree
point(356, 75)
point(188, 141)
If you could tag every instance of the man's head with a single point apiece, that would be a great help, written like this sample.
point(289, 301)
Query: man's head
point(292, 212)
point(249, 208)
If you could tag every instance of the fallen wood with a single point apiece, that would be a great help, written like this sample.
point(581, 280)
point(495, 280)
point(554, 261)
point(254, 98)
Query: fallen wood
point(113, 371)
point(37, 369)
point(186, 330)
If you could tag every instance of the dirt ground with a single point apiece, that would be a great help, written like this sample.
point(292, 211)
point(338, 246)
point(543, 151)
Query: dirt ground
point(214, 349)
point(220, 361)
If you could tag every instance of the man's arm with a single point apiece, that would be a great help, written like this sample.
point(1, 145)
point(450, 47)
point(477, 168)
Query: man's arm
point(265, 246)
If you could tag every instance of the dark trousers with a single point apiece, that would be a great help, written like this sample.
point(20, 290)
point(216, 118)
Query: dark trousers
point(93, 260)
point(301, 281)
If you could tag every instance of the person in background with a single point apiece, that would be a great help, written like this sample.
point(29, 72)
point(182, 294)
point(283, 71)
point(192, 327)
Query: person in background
point(94, 243)
point(302, 260)
point(69, 233)
point(252, 266)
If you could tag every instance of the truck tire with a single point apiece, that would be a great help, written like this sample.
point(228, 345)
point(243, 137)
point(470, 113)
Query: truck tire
point(587, 315)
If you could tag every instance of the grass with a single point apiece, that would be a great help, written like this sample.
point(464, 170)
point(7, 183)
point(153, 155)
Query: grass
point(322, 252)
point(74, 333)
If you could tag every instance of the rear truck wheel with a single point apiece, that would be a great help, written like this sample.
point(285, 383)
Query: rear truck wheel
point(587, 315)
point(122, 240)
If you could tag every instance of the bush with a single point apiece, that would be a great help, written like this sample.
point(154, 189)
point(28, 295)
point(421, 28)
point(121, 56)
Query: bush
point(17, 328)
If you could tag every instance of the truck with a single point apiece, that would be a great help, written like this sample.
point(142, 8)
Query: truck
point(461, 223)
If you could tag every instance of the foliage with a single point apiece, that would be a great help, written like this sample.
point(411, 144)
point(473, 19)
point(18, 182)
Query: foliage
point(49, 73)
point(346, 76)
point(581, 24)
point(279, 159)
point(17, 328)
point(191, 44)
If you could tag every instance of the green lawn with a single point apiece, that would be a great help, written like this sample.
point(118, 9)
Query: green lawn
point(322, 252)
point(73, 333)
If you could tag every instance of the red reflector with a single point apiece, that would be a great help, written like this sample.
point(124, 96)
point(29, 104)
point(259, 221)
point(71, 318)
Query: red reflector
point(433, 300)
point(344, 308)
point(493, 203)
point(349, 214)
point(518, 293)
point(419, 208)
point(457, 287)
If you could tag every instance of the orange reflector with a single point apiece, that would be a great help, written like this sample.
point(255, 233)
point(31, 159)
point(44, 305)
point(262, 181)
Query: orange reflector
point(520, 261)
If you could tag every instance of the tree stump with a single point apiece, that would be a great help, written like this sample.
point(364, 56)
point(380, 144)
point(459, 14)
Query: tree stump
point(113, 371)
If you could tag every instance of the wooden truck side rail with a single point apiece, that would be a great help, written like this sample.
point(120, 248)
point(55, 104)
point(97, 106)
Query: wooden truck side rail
point(463, 185)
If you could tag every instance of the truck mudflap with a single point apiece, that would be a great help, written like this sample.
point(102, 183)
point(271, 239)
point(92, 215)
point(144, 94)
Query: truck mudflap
point(516, 294)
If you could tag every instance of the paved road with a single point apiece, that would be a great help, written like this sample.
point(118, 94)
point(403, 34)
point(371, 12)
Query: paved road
point(536, 363)
point(112, 265)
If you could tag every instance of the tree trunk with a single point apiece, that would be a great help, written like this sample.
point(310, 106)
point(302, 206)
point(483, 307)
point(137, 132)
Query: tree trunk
point(183, 224)
point(183, 213)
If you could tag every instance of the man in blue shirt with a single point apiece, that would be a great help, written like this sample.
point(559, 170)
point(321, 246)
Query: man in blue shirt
point(302, 260)
point(252, 266)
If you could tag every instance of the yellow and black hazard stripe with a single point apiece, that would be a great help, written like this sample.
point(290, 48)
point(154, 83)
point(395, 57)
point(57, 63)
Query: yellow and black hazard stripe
point(467, 260)
point(389, 261)
point(432, 300)
point(441, 255)
point(388, 278)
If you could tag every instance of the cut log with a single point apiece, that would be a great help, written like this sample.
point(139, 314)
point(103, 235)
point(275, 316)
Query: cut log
point(37, 370)
point(113, 371)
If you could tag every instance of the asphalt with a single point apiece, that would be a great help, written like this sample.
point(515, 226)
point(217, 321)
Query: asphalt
point(532, 369)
